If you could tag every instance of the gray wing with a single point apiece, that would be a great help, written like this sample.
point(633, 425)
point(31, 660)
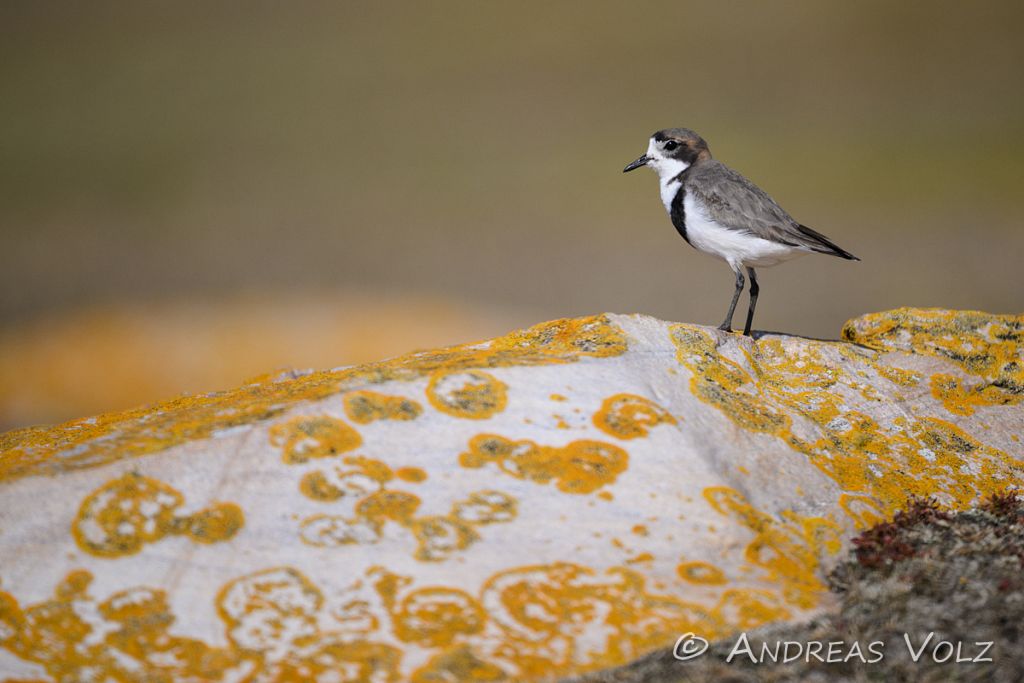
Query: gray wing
point(734, 202)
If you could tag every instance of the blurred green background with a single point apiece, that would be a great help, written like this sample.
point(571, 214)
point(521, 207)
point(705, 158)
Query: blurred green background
point(156, 154)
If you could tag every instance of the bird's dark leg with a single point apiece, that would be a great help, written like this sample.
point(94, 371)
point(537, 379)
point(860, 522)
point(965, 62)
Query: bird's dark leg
point(727, 323)
point(754, 289)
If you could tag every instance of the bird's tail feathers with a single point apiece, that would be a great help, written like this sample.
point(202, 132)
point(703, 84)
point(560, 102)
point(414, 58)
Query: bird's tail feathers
point(824, 245)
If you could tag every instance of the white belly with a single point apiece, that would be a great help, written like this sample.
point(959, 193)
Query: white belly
point(736, 247)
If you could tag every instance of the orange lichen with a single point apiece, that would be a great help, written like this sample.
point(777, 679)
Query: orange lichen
point(863, 510)
point(486, 507)
point(137, 645)
point(306, 437)
point(94, 441)
point(384, 506)
point(544, 608)
point(368, 481)
point(984, 345)
point(964, 400)
point(701, 572)
point(434, 617)
point(640, 558)
point(437, 536)
point(365, 407)
point(469, 394)
point(126, 513)
point(316, 486)
point(578, 467)
point(746, 609)
point(275, 616)
point(627, 416)
point(524, 623)
point(899, 376)
point(912, 455)
point(789, 550)
point(359, 477)
point(413, 475)
point(217, 523)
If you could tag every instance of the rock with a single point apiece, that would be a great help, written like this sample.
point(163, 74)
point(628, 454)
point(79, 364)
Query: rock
point(558, 500)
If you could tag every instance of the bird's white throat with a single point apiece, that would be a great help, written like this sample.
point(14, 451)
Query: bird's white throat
point(668, 171)
point(670, 184)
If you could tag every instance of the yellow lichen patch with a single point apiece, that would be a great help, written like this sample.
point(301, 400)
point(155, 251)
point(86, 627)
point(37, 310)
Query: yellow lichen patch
point(306, 437)
point(594, 337)
point(360, 477)
point(471, 394)
point(789, 550)
point(962, 400)
point(982, 344)
point(641, 558)
point(863, 510)
point(717, 380)
point(543, 609)
point(627, 416)
point(316, 486)
point(217, 523)
point(578, 467)
point(530, 622)
point(273, 605)
point(365, 407)
point(904, 378)
point(137, 647)
point(126, 513)
point(538, 615)
point(886, 462)
point(414, 475)
point(371, 468)
point(384, 506)
point(434, 617)
point(486, 507)
point(95, 441)
point(701, 572)
point(437, 536)
point(744, 608)
point(275, 614)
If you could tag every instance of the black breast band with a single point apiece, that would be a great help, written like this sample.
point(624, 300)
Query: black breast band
point(678, 212)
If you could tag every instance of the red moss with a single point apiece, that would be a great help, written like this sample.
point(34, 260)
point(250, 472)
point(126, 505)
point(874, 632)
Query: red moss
point(885, 543)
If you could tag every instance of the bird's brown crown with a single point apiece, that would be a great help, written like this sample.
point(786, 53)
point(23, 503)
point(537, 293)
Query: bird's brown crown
point(689, 147)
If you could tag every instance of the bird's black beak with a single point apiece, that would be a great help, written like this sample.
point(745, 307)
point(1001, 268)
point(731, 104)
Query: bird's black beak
point(642, 161)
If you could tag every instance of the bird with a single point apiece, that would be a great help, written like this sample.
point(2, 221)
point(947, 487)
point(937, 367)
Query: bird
point(721, 213)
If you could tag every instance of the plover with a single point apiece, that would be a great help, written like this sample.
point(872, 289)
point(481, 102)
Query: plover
point(721, 213)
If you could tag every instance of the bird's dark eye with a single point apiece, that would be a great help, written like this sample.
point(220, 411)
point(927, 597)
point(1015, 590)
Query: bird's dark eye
point(671, 145)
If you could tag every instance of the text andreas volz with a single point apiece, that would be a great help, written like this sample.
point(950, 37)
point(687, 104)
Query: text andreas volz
point(835, 651)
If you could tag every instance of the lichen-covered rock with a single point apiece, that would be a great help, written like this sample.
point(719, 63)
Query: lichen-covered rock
point(557, 500)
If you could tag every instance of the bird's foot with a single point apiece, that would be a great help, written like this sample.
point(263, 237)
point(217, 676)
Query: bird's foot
point(725, 327)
